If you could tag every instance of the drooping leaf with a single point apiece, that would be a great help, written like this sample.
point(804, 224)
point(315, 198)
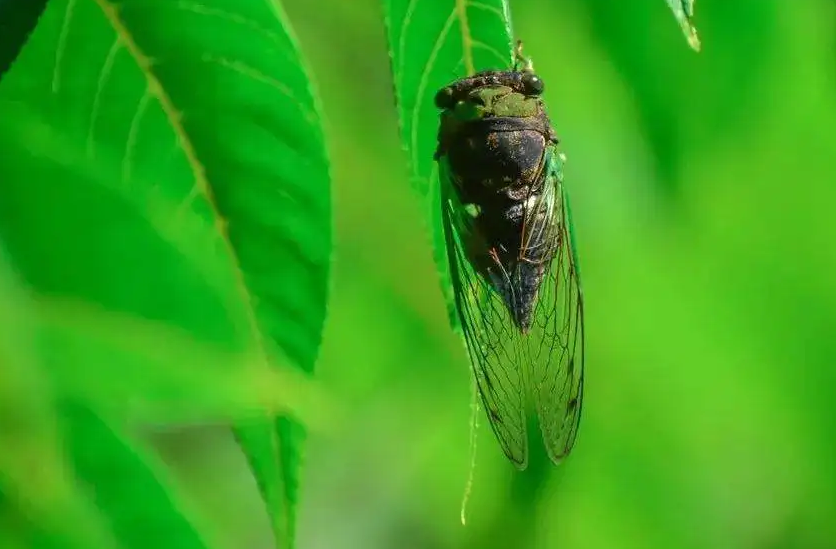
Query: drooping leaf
point(683, 10)
point(17, 19)
point(208, 105)
point(432, 43)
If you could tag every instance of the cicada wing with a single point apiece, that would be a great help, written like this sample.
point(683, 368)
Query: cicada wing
point(491, 337)
point(555, 342)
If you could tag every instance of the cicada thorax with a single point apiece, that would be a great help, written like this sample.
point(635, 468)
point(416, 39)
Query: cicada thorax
point(498, 166)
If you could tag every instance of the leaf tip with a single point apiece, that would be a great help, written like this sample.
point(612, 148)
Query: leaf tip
point(683, 10)
point(691, 35)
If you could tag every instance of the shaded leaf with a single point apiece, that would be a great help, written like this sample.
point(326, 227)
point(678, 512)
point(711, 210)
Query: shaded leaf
point(17, 19)
point(207, 105)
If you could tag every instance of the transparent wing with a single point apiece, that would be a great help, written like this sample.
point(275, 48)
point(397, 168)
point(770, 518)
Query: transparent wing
point(493, 341)
point(554, 347)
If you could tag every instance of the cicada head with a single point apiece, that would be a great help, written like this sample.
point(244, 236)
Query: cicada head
point(492, 93)
point(494, 131)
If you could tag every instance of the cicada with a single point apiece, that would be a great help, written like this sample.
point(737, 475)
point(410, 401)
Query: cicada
point(511, 253)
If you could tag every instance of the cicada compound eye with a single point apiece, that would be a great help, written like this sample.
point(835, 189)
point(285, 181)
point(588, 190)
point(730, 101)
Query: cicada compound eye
point(533, 84)
point(444, 98)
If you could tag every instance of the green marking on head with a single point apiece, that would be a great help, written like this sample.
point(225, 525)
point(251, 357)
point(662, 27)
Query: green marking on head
point(496, 101)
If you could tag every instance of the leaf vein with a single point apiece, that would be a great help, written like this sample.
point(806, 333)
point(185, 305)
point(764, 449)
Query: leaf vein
point(232, 17)
point(104, 74)
point(487, 7)
point(62, 44)
point(410, 9)
point(422, 86)
point(493, 51)
point(252, 73)
point(133, 134)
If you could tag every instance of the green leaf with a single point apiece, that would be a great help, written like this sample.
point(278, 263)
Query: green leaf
point(72, 231)
point(683, 10)
point(432, 43)
point(17, 19)
point(208, 107)
point(109, 368)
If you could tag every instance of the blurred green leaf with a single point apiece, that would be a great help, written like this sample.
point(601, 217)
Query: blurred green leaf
point(209, 106)
point(40, 503)
point(129, 485)
point(683, 10)
point(17, 19)
point(142, 372)
point(723, 85)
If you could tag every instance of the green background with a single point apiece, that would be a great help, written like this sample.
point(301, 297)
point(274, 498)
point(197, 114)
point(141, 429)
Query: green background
point(703, 198)
point(703, 195)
